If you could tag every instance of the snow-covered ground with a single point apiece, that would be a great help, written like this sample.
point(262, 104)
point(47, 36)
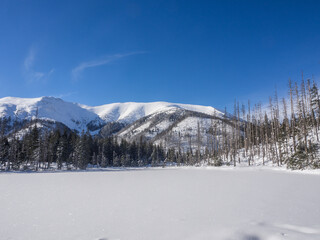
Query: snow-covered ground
point(170, 203)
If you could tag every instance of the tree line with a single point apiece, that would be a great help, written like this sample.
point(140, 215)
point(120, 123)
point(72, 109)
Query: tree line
point(42, 150)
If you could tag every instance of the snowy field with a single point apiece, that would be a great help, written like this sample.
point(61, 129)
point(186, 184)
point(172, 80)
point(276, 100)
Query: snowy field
point(151, 204)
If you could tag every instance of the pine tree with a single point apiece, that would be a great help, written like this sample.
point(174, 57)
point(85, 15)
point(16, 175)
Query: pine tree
point(4, 152)
point(62, 150)
point(82, 151)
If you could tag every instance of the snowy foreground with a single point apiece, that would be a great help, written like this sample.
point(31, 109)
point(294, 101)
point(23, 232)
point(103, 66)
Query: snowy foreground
point(150, 204)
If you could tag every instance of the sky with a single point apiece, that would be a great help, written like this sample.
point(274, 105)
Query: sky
point(199, 52)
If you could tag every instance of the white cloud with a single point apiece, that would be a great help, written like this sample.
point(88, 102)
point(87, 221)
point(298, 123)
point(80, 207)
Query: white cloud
point(76, 72)
point(30, 74)
point(64, 95)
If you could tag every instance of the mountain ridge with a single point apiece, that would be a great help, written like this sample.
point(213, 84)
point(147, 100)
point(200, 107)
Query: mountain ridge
point(77, 116)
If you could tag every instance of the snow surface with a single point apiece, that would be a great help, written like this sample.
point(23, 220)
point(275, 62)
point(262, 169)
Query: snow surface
point(77, 116)
point(170, 203)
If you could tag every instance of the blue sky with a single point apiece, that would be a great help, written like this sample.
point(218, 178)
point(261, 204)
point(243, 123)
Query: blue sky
point(200, 52)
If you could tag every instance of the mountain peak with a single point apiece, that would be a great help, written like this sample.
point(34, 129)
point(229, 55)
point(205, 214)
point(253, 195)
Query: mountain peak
point(50, 98)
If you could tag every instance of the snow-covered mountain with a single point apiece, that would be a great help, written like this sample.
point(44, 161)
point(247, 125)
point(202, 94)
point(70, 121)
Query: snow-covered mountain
point(48, 108)
point(131, 111)
point(77, 116)
point(176, 128)
point(159, 122)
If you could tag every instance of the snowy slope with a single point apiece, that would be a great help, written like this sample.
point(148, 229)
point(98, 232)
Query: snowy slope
point(152, 125)
point(185, 133)
point(176, 128)
point(77, 116)
point(132, 111)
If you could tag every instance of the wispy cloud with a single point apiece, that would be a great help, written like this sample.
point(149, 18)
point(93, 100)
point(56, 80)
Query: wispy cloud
point(30, 74)
point(77, 71)
point(64, 95)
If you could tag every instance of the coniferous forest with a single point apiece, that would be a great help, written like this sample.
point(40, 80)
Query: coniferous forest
point(284, 132)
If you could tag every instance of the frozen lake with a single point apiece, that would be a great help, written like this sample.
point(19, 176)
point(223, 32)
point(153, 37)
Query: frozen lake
point(151, 204)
